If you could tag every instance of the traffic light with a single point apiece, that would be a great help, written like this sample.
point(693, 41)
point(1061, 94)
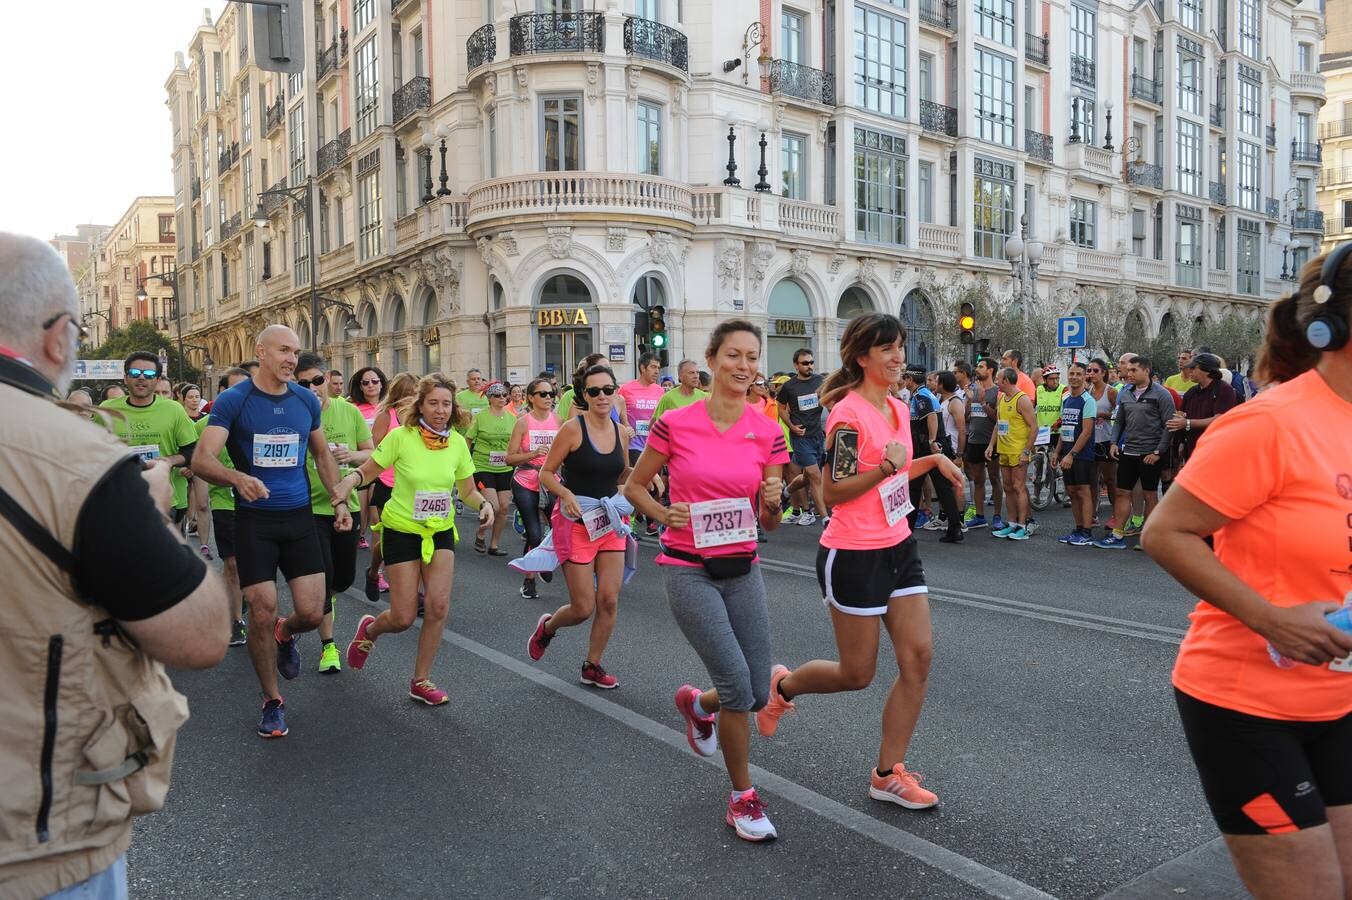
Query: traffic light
point(967, 323)
point(983, 348)
point(279, 37)
point(657, 327)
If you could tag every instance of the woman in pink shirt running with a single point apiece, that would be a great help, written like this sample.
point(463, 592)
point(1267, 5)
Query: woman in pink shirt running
point(868, 564)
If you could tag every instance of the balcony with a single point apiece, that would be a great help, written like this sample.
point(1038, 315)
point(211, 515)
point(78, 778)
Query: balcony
point(196, 251)
point(938, 119)
point(1217, 115)
point(1272, 136)
point(1099, 264)
point(1301, 152)
point(1038, 145)
point(1218, 282)
point(1145, 175)
point(1216, 192)
point(229, 156)
point(1307, 220)
point(1308, 83)
point(943, 240)
point(1336, 175)
point(1155, 270)
point(414, 95)
point(274, 115)
point(196, 189)
point(481, 47)
point(574, 32)
point(326, 61)
point(810, 219)
point(558, 194)
point(937, 14)
point(334, 152)
point(230, 227)
point(1093, 163)
point(1147, 89)
point(1035, 48)
point(1083, 71)
point(395, 4)
point(655, 41)
point(1339, 128)
point(271, 202)
point(803, 82)
point(1273, 207)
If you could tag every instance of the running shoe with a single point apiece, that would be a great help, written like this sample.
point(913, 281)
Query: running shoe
point(528, 591)
point(363, 543)
point(384, 585)
point(480, 546)
point(1067, 538)
point(206, 552)
point(954, 537)
point(328, 659)
point(288, 652)
point(651, 530)
point(1133, 527)
point(427, 692)
point(372, 588)
point(1018, 533)
point(789, 516)
point(938, 523)
point(968, 514)
point(1032, 526)
point(1081, 539)
point(922, 519)
point(539, 640)
point(597, 677)
point(700, 731)
point(807, 518)
point(998, 523)
point(496, 551)
point(192, 527)
point(1002, 531)
point(272, 724)
point(239, 633)
point(1111, 542)
point(767, 719)
point(746, 816)
point(975, 522)
point(902, 788)
point(361, 645)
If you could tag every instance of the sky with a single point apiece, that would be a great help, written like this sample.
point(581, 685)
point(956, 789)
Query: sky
point(84, 128)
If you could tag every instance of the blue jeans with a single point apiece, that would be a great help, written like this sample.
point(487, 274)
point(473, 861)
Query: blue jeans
point(110, 884)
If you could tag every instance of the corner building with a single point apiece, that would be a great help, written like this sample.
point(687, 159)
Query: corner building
point(1153, 149)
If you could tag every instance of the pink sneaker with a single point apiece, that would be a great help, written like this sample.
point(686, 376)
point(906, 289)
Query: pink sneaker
point(363, 544)
point(206, 552)
point(902, 788)
point(427, 692)
point(361, 645)
point(381, 583)
point(746, 815)
point(539, 641)
point(701, 732)
point(767, 719)
point(597, 677)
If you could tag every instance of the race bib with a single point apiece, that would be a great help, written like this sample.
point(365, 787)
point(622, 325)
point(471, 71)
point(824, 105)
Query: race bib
point(147, 452)
point(641, 427)
point(276, 451)
point(1044, 435)
point(1003, 428)
point(896, 495)
point(1068, 433)
point(497, 457)
point(719, 522)
point(542, 439)
point(597, 523)
point(809, 402)
point(978, 411)
point(431, 505)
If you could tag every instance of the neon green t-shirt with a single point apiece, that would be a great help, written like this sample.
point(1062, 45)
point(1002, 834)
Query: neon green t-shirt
point(222, 498)
point(423, 482)
point(490, 435)
point(344, 427)
point(1049, 405)
point(1179, 382)
point(158, 430)
point(471, 402)
point(674, 399)
point(565, 401)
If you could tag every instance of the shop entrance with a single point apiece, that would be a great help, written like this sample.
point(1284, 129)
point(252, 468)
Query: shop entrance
point(562, 351)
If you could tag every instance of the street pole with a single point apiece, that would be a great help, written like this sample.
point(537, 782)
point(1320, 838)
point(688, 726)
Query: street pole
point(178, 320)
point(314, 262)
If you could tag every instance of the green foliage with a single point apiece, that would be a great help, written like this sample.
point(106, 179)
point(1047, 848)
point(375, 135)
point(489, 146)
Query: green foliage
point(141, 335)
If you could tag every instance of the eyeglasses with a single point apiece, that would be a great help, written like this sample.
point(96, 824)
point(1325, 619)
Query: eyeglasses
point(82, 331)
point(312, 382)
point(375, 382)
point(758, 384)
point(148, 374)
point(1093, 371)
point(547, 394)
point(607, 389)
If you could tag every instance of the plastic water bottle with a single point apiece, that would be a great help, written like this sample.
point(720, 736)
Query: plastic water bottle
point(1340, 618)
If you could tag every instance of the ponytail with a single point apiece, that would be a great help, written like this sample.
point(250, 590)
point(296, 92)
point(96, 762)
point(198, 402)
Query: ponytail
point(1285, 353)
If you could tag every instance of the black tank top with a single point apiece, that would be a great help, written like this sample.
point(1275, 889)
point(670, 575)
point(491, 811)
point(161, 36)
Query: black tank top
point(588, 473)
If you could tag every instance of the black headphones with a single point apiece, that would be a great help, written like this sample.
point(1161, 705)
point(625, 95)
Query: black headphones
point(1328, 329)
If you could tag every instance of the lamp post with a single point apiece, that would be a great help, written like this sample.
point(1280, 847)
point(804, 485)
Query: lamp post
point(169, 278)
point(1289, 248)
point(1024, 254)
point(302, 194)
point(107, 320)
point(442, 133)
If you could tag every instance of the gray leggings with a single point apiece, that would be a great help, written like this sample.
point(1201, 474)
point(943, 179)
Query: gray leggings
point(729, 626)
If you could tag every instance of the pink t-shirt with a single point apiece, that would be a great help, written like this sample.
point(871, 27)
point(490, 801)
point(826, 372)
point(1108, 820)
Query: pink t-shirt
point(368, 412)
point(528, 475)
point(861, 523)
point(691, 442)
point(640, 401)
point(387, 477)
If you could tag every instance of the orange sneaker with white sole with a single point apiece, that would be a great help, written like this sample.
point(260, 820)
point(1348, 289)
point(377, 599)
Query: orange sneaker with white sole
point(902, 788)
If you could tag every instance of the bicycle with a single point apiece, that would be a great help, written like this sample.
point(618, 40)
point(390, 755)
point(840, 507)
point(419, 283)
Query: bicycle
point(1045, 481)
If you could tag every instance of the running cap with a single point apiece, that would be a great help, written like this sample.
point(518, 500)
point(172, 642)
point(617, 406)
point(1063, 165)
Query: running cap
point(779, 379)
point(496, 389)
point(1207, 362)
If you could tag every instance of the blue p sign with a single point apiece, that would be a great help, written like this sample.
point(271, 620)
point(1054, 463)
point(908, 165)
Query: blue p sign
point(1070, 332)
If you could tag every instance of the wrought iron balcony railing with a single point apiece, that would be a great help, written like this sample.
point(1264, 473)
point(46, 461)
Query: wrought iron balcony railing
point(1272, 135)
point(229, 156)
point(1083, 70)
point(1272, 206)
point(274, 201)
point(334, 152)
point(1037, 144)
point(275, 114)
point(1145, 174)
point(481, 47)
point(938, 13)
point(653, 40)
point(230, 227)
point(1307, 220)
point(196, 188)
point(803, 82)
point(413, 95)
point(1301, 152)
point(326, 60)
point(572, 32)
point(1147, 89)
point(1035, 48)
point(939, 119)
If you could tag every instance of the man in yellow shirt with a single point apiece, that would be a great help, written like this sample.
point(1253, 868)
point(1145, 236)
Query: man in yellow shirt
point(1012, 444)
point(1180, 381)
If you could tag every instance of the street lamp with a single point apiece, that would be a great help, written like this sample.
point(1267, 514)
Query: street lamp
point(1024, 254)
point(302, 194)
point(169, 278)
point(1289, 248)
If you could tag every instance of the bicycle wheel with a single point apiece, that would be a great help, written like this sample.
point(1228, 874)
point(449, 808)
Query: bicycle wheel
point(1041, 474)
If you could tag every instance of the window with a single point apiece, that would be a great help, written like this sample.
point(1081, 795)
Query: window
point(1250, 100)
point(1346, 223)
point(994, 98)
point(1082, 56)
point(245, 114)
point(397, 60)
point(793, 36)
point(1248, 262)
point(649, 139)
point(561, 131)
point(492, 147)
point(1083, 219)
point(295, 83)
point(1189, 151)
point(1250, 173)
point(925, 184)
point(1138, 232)
point(166, 228)
point(879, 187)
point(793, 166)
point(1251, 29)
point(339, 223)
point(926, 73)
point(1085, 118)
point(1139, 58)
point(400, 181)
point(368, 89)
point(1304, 128)
point(295, 139)
point(880, 62)
point(319, 122)
point(363, 13)
point(993, 207)
point(1189, 249)
point(368, 211)
point(1304, 57)
point(246, 169)
point(1190, 14)
point(995, 20)
point(646, 9)
point(220, 77)
point(210, 280)
point(418, 62)
point(1219, 261)
point(1189, 64)
point(325, 245)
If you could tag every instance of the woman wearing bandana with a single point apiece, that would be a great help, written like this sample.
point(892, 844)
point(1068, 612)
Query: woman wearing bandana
point(417, 525)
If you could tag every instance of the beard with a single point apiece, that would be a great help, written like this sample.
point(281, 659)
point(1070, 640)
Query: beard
point(67, 373)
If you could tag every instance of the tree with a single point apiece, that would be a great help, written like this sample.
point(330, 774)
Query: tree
point(141, 335)
point(1232, 338)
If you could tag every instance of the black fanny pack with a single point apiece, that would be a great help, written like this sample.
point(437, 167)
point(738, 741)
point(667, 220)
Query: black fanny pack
point(718, 568)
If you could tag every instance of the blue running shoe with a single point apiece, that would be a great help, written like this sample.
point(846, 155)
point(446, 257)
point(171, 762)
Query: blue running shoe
point(976, 522)
point(288, 653)
point(1081, 539)
point(921, 518)
point(1002, 531)
point(1067, 538)
point(1111, 542)
point(1018, 533)
point(997, 523)
point(273, 722)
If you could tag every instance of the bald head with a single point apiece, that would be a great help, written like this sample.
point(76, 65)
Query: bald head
point(36, 287)
point(278, 349)
point(277, 334)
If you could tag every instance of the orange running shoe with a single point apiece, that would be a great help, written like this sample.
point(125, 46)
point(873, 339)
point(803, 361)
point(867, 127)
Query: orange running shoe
point(767, 719)
point(902, 788)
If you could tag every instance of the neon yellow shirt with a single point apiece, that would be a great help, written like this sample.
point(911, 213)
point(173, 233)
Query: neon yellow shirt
point(221, 498)
point(1049, 405)
point(344, 426)
point(1012, 429)
point(423, 481)
point(158, 430)
point(1178, 382)
point(674, 399)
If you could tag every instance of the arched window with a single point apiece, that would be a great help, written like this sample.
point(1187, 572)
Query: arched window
point(303, 332)
point(854, 302)
point(791, 326)
point(567, 290)
point(370, 329)
point(397, 325)
point(918, 316)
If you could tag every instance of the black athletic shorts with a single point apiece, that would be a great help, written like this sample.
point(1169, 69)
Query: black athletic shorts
point(633, 456)
point(223, 527)
point(1079, 473)
point(975, 453)
point(1131, 469)
point(269, 539)
point(861, 582)
point(493, 481)
point(380, 494)
point(1267, 776)
point(340, 556)
point(180, 513)
point(400, 547)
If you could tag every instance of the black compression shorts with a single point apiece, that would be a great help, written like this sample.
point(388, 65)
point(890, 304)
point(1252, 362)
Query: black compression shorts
point(223, 527)
point(268, 539)
point(399, 547)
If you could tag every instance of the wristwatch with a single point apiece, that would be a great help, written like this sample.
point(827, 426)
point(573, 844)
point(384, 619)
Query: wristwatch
point(1187, 424)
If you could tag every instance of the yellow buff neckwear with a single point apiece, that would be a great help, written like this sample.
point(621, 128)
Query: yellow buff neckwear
point(433, 439)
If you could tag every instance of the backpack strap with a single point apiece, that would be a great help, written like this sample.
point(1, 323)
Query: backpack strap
point(35, 533)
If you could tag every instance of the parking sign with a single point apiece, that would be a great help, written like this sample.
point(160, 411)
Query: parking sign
point(1070, 332)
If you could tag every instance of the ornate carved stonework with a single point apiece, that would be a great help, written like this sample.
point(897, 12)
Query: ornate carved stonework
point(522, 82)
point(867, 267)
point(834, 266)
point(898, 273)
point(615, 239)
point(634, 72)
point(593, 80)
point(659, 244)
point(560, 241)
point(441, 269)
point(507, 240)
point(762, 252)
point(485, 252)
point(800, 261)
point(730, 264)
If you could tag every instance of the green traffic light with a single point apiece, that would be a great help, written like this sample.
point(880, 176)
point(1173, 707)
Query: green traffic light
point(659, 340)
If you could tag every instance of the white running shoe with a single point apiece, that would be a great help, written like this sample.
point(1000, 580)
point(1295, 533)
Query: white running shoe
point(746, 815)
point(806, 518)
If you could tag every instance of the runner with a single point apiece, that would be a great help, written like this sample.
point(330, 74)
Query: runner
point(590, 533)
point(568, 402)
point(270, 426)
point(1075, 454)
point(868, 564)
point(1048, 405)
point(190, 398)
point(400, 389)
point(982, 400)
point(1011, 445)
point(516, 400)
point(82, 399)
point(365, 391)
point(1181, 380)
point(114, 391)
point(336, 384)
point(1271, 743)
point(532, 437)
point(1105, 466)
point(164, 388)
point(1137, 519)
point(927, 439)
point(198, 510)
point(222, 503)
point(472, 398)
point(489, 436)
point(641, 397)
point(1140, 440)
point(708, 554)
point(800, 408)
point(350, 442)
point(1013, 359)
point(685, 392)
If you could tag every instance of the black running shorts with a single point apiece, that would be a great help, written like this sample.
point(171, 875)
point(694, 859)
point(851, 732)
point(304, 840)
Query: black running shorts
point(1081, 472)
point(380, 494)
point(399, 547)
point(861, 582)
point(1131, 469)
point(975, 453)
point(493, 481)
point(1267, 776)
point(223, 527)
point(269, 539)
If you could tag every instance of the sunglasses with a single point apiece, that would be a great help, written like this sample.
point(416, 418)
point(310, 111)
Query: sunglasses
point(312, 382)
point(373, 383)
point(548, 394)
point(149, 374)
point(758, 384)
point(808, 362)
point(598, 391)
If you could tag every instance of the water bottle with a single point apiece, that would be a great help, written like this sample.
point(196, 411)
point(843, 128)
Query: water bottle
point(1341, 619)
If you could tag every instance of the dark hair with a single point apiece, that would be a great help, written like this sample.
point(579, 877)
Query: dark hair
point(991, 365)
point(647, 358)
point(915, 373)
point(948, 382)
point(588, 361)
point(546, 376)
point(182, 390)
point(249, 366)
point(141, 355)
point(580, 382)
point(1144, 362)
point(1285, 353)
point(964, 367)
point(1016, 355)
point(223, 383)
point(540, 379)
point(1010, 374)
point(333, 372)
point(861, 335)
point(1077, 364)
point(354, 392)
point(721, 332)
point(1101, 363)
point(308, 360)
point(705, 379)
point(800, 353)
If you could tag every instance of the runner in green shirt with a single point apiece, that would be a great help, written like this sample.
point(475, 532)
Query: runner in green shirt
point(471, 398)
point(488, 436)
point(154, 427)
point(685, 393)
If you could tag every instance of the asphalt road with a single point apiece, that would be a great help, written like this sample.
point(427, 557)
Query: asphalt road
point(1049, 734)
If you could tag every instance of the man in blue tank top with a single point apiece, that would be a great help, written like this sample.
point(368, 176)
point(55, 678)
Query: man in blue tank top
point(267, 424)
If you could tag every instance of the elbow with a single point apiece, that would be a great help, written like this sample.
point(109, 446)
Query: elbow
point(633, 490)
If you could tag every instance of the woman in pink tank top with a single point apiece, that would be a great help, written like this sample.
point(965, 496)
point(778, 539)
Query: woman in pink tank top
point(531, 439)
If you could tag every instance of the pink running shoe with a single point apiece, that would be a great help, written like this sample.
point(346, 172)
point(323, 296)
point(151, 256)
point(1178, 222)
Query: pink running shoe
point(539, 640)
point(361, 645)
point(767, 719)
point(381, 583)
point(597, 677)
point(902, 788)
point(701, 732)
point(363, 543)
point(746, 815)
point(427, 692)
point(206, 552)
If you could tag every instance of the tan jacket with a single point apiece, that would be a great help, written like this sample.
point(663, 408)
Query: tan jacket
point(89, 721)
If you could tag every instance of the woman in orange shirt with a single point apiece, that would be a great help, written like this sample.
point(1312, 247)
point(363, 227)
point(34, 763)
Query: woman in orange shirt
point(1273, 744)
